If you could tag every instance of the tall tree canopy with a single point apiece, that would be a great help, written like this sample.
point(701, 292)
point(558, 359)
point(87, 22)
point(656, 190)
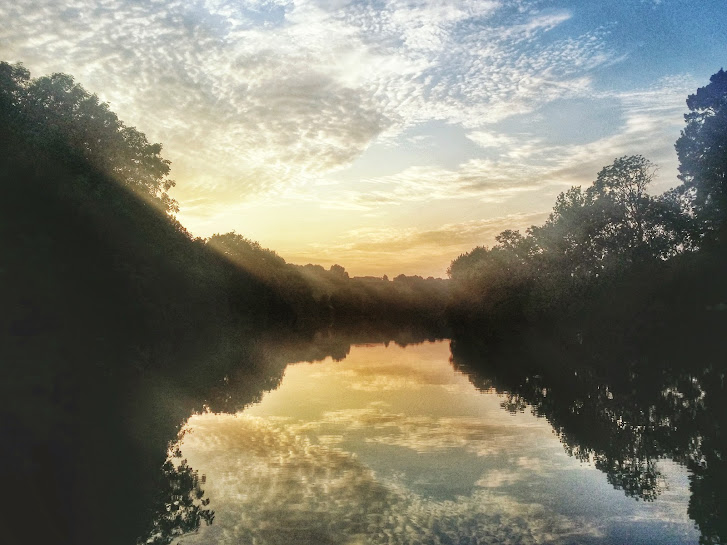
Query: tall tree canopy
point(602, 230)
point(62, 116)
point(614, 222)
point(702, 152)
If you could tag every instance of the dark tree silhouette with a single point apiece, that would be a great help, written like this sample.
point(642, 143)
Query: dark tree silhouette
point(592, 235)
point(614, 222)
point(60, 115)
point(702, 152)
point(179, 505)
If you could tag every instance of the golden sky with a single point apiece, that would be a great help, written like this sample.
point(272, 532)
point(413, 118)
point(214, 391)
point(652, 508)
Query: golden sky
point(386, 136)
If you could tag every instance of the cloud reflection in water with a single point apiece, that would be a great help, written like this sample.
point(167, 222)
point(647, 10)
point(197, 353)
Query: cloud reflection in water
point(328, 459)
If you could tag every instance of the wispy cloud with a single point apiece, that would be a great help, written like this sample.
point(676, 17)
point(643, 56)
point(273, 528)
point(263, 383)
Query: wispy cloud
point(483, 179)
point(269, 485)
point(249, 95)
point(449, 235)
point(373, 249)
point(276, 104)
point(652, 119)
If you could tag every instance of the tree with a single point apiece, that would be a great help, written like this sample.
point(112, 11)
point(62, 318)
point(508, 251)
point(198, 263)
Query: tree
point(702, 152)
point(639, 226)
point(246, 253)
point(568, 242)
point(623, 183)
point(13, 80)
point(61, 116)
point(339, 271)
point(178, 506)
point(613, 223)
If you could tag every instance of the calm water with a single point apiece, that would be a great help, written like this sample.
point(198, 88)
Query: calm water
point(393, 445)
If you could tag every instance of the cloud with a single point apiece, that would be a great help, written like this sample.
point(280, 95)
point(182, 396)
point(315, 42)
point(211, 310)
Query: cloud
point(251, 95)
point(271, 486)
point(523, 162)
point(371, 250)
point(274, 104)
point(374, 471)
point(446, 237)
point(498, 478)
point(652, 117)
point(422, 434)
point(483, 179)
point(389, 377)
point(384, 369)
point(517, 163)
point(519, 167)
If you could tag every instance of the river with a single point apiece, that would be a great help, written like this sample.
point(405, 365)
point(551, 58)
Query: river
point(395, 444)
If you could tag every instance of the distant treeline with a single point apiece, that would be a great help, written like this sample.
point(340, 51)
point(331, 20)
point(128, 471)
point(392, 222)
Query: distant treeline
point(612, 255)
point(323, 297)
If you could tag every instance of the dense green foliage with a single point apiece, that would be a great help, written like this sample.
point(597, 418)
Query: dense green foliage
point(612, 244)
point(67, 122)
point(702, 151)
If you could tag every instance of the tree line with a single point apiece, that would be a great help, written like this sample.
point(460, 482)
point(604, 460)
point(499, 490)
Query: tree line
point(89, 229)
point(612, 243)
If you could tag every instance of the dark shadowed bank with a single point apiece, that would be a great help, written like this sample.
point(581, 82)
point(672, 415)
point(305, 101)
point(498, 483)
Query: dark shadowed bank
point(117, 324)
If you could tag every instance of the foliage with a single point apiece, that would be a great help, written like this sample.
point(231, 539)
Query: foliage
point(702, 152)
point(405, 299)
point(59, 115)
point(179, 507)
point(612, 232)
point(591, 235)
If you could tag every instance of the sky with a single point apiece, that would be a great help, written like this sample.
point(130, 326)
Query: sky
point(388, 136)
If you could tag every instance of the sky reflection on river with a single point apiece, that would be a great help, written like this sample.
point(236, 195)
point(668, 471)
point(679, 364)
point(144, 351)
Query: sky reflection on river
point(391, 445)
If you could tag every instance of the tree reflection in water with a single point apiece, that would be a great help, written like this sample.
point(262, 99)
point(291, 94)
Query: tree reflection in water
point(623, 409)
point(91, 421)
point(179, 508)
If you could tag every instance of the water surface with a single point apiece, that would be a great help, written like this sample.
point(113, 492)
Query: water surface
point(393, 445)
